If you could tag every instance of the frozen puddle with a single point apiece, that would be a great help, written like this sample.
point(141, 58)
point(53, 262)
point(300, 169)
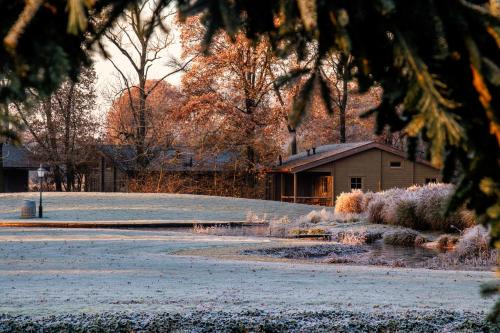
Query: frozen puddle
point(376, 253)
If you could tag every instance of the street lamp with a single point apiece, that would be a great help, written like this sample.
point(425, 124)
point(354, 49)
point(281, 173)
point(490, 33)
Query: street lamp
point(41, 173)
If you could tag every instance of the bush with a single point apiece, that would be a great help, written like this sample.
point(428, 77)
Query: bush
point(367, 198)
point(375, 210)
point(447, 241)
point(403, 237)
point(474, 244)
point(472, 250)
point(356, 237)
point(407, 215)
point(350, 202)
point(417, 207)
point(465, 219)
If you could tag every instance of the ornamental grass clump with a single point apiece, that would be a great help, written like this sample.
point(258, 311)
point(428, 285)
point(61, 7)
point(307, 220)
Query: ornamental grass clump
point(432, 205)
point(404, 237)
point(374, 211)
point(349, 202)
point(418, 207)
point(474, 244)
point(315, 217)
point(367, 198)
point(446, 241)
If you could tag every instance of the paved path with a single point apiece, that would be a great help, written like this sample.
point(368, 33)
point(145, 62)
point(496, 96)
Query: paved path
point(50, 271)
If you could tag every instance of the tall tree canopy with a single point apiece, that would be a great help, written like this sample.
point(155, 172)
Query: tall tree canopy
point(229, 95)
point(62, 128)
point(160, 113)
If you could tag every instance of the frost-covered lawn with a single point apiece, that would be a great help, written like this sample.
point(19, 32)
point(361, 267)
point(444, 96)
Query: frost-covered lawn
point(55, 271)
point(145, 207)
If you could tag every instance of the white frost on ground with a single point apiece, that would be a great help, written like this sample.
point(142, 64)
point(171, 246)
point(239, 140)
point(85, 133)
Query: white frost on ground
point(145, 207)
point(51, 271)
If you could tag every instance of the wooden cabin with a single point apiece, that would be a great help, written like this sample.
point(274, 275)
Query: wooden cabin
point(116, 165)
point(15, 164)
point(317, 176)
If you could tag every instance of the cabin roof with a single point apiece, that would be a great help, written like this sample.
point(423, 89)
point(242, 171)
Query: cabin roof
point(333, 152)
point(17, 157)
point(173, 159)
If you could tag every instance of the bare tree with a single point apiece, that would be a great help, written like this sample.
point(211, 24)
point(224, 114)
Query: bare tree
point(141, 37)
point(337, 68)
point(62, 128)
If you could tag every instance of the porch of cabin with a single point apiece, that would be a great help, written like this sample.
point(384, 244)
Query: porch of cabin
point(312, 188)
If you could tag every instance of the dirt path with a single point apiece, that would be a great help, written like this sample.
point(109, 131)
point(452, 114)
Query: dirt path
point(73, 270)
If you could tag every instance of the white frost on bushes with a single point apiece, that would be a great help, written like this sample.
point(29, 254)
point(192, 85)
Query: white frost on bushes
point(418, 207)
point(255, 218)
point(474, 243)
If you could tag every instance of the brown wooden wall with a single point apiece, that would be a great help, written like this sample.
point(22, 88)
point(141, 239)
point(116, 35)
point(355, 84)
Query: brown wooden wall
point(106, 177)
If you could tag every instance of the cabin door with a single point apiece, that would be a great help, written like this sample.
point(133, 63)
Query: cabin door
point(324, 186)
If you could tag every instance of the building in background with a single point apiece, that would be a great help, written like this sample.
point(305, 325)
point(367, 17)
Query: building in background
point(15, 165)
point(116, 169)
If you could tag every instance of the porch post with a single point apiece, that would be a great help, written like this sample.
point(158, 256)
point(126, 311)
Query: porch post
point(294, 187)
point(102, 174)
point(332, 172)
point(282, 186)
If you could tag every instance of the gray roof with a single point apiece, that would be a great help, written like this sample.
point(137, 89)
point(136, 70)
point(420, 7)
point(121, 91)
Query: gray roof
point(174, 159)
point(332, 152)
point(321, 151)
point(17, 157)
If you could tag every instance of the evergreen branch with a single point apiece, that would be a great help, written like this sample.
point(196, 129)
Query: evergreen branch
point(423, 95)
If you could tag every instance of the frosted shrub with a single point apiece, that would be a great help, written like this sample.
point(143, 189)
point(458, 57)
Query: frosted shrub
point(319, 216)
point(405, 214)
point(403, 237)
point(474, 244)
point(356, 237)
point(367, 198)
point(447, 241)
point(390, 198)
point(350, 202)
point(431, 207)
point(418, 207)
point(374, 211)
point(255, 218)
point(472, 250)
point(465, 219)
point(315, 217)
point(279, 227)
point(405, 211)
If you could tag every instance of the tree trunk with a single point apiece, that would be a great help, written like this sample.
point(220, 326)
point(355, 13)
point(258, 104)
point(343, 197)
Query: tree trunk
point(293, 143)
point(141, 130)
point(58, 178)
point(2, 181)
point(344, 67)
point(70, 177)
point(250, 174)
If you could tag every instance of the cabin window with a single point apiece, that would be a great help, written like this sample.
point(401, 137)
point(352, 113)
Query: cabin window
point(356, 183)
point(430, 180)
point(395, 164)
point(323, 185)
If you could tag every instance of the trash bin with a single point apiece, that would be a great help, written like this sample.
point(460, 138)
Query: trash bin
point(28, 210)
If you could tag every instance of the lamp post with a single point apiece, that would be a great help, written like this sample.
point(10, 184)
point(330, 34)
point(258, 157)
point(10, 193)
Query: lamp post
point(41, 173)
